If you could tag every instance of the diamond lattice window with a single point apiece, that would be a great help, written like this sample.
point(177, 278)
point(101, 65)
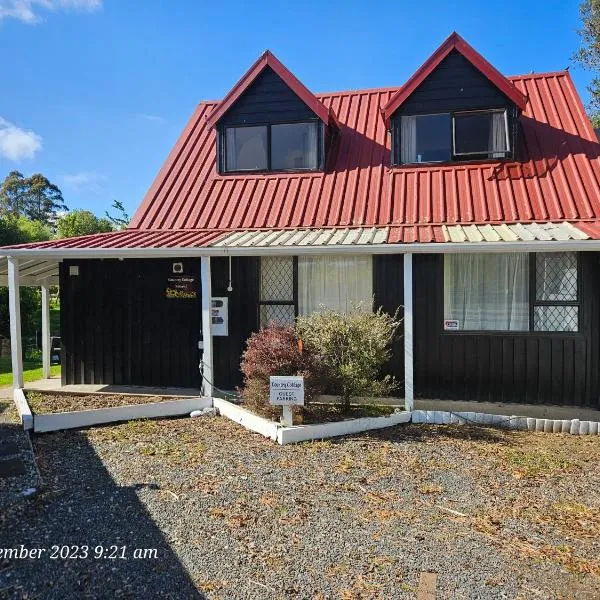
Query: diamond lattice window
point(277, 291)
point(556, 306)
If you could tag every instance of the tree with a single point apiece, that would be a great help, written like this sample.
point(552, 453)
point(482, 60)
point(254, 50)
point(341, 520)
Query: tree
point(81, 222)
point(588, 56)
point(34, 197)
point(121, 219)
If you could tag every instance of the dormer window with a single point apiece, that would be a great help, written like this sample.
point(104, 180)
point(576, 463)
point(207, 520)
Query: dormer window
point(276, 147)
point(466, 135)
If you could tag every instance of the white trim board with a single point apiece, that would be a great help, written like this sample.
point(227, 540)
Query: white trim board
point(98, 416)
point(23, 408)
point(442, 417)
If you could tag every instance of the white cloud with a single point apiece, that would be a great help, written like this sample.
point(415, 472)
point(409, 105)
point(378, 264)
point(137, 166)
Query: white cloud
point(84, 181)
point(27, 10)
point(151, 118)
point(17, 143)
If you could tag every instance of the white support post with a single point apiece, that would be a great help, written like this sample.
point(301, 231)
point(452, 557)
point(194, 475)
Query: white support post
point(409, 396)
point(46, 330)
point(207, 350)
point(14, 309)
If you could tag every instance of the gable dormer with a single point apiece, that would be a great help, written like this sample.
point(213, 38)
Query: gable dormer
point(270, 122)
point(456, 107)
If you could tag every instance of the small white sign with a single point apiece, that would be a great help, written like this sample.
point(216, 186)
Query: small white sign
point(286, 391)
point(451, 325)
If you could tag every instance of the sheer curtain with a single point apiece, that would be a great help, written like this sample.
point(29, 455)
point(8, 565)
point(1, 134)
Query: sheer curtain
point(334, 282)
point(408, 140)
point(487, 291)
point(311, 150)
point(498, 135)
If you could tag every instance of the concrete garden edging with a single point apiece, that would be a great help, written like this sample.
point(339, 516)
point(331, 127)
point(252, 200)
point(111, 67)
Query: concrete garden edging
point(442, 417)
point(46, 422)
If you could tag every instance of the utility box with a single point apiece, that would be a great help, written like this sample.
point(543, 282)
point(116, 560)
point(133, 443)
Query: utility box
point(219, 313)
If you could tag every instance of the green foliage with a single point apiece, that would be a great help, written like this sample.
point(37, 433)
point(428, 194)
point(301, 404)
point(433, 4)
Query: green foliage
point(588, 56)
point(595, 119)
point(81, 222)
point(353, 348)
point(121, 219)
point(34, 197)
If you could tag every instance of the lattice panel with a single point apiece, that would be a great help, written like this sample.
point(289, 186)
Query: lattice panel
point(556, 276)
point(556, 318)
point(277, 278)
point(277, 314)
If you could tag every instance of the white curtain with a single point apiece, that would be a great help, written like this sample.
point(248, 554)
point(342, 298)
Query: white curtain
point(311, 149)
point(408, 140)
point(498, 135)
point(231, 149)
point(487, 291)
point(334, 282)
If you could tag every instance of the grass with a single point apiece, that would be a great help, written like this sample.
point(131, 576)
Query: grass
point(32, 371)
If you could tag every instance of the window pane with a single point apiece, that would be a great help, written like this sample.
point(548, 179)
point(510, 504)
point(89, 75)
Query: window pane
point(556, 276)
point(277, 278)
point(487, 291)
point(277, 314)
point(425, 138)
point(555, 318)
point(246, 148)
point(294, 146)
point(480, 133)
point(336, 283)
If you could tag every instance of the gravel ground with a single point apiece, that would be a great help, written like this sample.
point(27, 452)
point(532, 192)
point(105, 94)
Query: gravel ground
point(49, 402)
point(496, 514)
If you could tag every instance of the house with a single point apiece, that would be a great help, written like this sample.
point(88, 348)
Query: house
point(468, 199)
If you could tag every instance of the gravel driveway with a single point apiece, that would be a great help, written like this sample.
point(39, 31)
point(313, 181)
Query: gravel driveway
point(232, 515)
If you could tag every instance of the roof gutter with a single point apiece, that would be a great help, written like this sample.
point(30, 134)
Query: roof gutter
point(416, 248)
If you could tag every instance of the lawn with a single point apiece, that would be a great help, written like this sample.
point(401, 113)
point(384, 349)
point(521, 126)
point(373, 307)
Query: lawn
point(32, 371)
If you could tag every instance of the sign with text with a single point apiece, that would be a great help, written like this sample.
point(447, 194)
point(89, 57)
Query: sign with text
point(451, 325)
point(181, 286)
point(286, 391)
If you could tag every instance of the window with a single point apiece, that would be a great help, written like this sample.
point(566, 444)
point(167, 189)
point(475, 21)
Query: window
point(280, 147)
point(294, 146)
point(277, 304)
point(454, 136)
point(556, 306)
point(480, 134)
point(511, 292)
point(334, 282)
point(246, 148)
point(322, 282)
point(425, 138)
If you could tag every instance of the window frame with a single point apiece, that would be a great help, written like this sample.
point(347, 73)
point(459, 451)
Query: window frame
point(530, 332)
point(490, 111)
point(454, 157)
point(222, 147)
point(293, 302)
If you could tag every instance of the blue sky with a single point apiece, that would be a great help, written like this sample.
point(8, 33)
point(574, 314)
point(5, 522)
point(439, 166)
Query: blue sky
point(96, 91)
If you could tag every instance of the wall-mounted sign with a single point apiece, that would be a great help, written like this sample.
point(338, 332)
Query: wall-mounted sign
point(451, 325)
point(219, 314)
point(181, 286)
point(286, 391)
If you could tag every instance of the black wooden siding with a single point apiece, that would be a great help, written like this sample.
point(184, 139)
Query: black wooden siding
point(455, 85)
point(118, 327)
point(267, 100)
point(533, 368)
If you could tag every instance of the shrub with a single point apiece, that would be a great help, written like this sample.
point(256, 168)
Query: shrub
point(275, 351)
point(353, 348)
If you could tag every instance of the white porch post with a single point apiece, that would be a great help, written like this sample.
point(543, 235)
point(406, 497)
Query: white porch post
point(409, 398)
point(46, 330)
point(14, 309)
point(207, 352)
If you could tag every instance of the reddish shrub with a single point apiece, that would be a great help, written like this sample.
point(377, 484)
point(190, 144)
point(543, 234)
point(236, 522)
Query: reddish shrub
point(274, 351)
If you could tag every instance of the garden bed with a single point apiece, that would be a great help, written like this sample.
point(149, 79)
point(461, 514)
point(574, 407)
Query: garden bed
point(54, 411)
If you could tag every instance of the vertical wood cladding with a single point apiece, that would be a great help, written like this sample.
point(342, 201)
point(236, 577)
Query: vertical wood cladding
point(532, 368)
point(118, 327)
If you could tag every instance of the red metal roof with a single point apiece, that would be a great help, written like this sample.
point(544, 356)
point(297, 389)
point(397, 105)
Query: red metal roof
point(453, 42)
point(558, 178)
point(270, 60)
